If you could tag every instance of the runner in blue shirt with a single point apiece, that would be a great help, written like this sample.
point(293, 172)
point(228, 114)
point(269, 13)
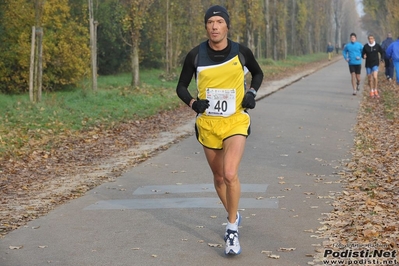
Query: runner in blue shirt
point(393, 53)
point(352, 53)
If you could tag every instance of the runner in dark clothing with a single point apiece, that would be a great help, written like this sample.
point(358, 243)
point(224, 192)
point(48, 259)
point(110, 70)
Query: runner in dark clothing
point(370, 53)
point(388, 64)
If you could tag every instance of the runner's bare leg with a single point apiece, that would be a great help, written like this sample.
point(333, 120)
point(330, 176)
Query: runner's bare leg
point(224, 165)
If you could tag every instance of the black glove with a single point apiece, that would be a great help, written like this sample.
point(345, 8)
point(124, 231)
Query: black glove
point(249, 100)
point(200, 106)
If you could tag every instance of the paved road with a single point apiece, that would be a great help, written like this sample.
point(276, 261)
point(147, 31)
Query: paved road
point(165, 211)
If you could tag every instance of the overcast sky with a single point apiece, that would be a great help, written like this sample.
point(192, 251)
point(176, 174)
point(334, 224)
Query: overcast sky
point(360, 7)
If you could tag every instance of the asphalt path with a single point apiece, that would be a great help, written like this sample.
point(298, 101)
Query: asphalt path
point(165, 211)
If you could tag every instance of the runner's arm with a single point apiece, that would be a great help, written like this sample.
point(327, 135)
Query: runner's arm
point(186, 76)
point(253, 67)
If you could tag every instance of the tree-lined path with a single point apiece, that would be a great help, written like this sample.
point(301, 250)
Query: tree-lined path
point(164, 211)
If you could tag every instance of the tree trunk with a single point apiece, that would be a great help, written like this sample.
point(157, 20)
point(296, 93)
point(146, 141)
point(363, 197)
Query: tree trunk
point(310, 47)
point(293, 31)
point(93, 46)
point(337, 6)
point(267, 33)
point(38, 54)
point(259, 45)
point(275, 37)
point(40, 65)
point(32, 64)
point(135, 65)
point(285, 47)
point(167, 42)
point(248, 27)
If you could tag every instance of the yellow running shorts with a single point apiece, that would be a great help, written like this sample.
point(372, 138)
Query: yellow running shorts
point(211, 131)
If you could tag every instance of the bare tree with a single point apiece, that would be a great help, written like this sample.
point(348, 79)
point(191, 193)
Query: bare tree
point(338, 18)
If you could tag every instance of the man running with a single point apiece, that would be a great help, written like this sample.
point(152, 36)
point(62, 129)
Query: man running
point(352, 53)
point(370, 53)
point(222, 124)
point(388, 64)
point(393, 54)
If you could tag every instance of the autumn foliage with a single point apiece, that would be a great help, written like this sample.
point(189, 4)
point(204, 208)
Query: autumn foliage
point(65, 45)
point(133, 34)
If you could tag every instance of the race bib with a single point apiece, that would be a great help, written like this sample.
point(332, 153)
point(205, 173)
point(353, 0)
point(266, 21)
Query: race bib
point(222, 102)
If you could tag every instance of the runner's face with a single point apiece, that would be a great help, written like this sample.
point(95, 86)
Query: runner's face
point(216, 29)
point(371, 39)
point(353, 39)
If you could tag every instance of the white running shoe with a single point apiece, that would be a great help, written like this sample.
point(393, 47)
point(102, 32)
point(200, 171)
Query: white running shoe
point(232, 243)
point(237, 222)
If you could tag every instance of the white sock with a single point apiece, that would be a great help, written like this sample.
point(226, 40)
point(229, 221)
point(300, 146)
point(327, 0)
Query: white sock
point(232, 226)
